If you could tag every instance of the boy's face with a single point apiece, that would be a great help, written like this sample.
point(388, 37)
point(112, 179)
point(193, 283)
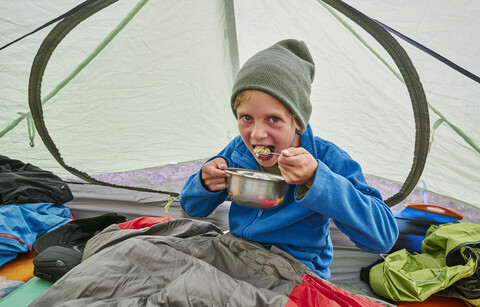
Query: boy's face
point(264, 121)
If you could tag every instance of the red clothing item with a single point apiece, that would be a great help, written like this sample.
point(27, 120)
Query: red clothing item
point(315, 292)
point(144, 221)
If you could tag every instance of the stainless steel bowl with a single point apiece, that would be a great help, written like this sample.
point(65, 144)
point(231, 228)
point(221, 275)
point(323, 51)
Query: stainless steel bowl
point(255, 189)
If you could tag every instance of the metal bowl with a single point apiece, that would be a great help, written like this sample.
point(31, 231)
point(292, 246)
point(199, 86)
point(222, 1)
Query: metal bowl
point(255, 189)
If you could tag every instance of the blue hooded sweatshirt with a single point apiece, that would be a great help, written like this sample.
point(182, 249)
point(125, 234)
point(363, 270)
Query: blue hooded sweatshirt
point(300, 227)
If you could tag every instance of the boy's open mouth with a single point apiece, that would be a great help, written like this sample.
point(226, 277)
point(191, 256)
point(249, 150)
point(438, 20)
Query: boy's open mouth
point(263, 150)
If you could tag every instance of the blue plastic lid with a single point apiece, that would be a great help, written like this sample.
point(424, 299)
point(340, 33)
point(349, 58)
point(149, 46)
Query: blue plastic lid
point(413, 214)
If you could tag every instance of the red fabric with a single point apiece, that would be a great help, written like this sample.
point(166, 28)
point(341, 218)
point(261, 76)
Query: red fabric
point(291, 303)
point(143, 221)
point(315, 292)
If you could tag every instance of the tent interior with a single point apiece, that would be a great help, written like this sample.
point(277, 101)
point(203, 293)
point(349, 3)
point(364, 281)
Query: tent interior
point(129, 99)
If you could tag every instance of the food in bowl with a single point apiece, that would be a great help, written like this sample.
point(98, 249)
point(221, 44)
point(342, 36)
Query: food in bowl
point(255, 189)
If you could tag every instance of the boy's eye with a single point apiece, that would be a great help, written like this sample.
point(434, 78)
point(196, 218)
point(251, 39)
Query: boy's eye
point(274, 119)
point(246, 117)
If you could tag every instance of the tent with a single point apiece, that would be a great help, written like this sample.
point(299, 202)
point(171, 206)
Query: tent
point(135, 93)
point(139, 85)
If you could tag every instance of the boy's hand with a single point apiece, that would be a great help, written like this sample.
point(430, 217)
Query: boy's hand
point(214, 176)
point(298, 166)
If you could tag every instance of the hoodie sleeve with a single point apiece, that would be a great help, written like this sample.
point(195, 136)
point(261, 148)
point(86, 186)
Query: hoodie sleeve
point(196, 200)
point(341, 192)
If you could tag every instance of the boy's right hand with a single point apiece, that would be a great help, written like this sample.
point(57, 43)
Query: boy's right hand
point(214, 176)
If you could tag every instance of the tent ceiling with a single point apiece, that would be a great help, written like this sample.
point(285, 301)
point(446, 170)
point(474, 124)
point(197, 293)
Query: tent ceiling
point(158, 93)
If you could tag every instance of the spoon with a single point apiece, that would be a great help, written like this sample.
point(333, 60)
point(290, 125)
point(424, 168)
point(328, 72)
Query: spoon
point(271, 153)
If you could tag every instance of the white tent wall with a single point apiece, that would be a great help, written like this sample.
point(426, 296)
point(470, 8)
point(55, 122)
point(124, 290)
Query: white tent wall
point(17, 19)
point(145, 95)
point(159, 92)
point(452, 30)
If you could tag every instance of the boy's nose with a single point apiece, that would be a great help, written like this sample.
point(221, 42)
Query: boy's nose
point(259, 131)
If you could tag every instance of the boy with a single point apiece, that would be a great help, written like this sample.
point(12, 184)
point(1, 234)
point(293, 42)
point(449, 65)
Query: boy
point(271, 101)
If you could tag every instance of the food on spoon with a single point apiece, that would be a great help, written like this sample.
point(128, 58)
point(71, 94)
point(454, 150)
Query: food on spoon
point(261, 150)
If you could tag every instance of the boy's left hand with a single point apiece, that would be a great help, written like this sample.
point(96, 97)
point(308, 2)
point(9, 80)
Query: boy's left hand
point(298, 166)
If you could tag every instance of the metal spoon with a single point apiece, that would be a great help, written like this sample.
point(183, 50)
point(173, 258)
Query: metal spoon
point(271, 153)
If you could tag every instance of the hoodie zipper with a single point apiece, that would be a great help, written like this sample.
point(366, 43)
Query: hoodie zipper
point(259, 214)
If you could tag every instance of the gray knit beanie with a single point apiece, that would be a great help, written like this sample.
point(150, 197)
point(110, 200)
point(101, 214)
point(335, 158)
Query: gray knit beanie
point(285, 71)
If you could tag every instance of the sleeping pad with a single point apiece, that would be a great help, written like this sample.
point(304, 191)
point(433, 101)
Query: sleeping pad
point(181, 262)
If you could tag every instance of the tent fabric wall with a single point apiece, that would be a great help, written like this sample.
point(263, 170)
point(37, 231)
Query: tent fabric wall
point(158, 93)
point(138, 111)
point(452, 30)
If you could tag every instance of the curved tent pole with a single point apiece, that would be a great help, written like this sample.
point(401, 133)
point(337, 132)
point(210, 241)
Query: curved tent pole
point(414, 87)
point(34, 89)
point(398, 54)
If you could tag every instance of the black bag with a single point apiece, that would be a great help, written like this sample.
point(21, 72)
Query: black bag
point(24, 183)
point(55, 261)
point(75, 234)
point(61, 249)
